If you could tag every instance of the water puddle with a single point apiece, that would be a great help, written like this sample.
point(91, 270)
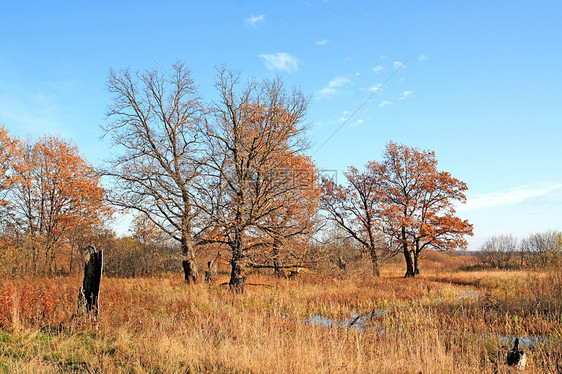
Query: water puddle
point(362, 321)
point(529, 342)
point(468, 294)
point(357, 321)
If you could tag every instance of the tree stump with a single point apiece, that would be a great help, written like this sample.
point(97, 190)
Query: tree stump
point(341, 263)
point(90, 290)
point(212, 269)
point(516, 357)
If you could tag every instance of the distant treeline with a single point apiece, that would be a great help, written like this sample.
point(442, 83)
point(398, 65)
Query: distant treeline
point(538, 250)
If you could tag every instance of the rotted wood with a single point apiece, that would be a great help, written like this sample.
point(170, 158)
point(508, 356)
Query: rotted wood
point(90, 290)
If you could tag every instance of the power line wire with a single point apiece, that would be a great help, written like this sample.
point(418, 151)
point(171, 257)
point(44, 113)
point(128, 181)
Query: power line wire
point(364, 103)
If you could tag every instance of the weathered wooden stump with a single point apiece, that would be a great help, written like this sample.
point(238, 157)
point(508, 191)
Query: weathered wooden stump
point(212, 269)
point(90, 290)
point(341, 263)
point(516, 357)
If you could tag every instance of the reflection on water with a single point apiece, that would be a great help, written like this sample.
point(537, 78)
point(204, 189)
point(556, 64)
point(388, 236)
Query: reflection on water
point(524, 341)
point(358, 321)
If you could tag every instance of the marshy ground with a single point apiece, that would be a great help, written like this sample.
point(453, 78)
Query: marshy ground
point(440, 322)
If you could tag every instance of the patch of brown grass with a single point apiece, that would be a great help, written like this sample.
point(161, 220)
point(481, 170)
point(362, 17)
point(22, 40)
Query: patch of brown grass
point(446, 323)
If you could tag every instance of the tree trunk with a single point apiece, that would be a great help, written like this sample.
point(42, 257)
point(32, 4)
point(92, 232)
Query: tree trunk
point(212, 269)
point(410, 272)
point(189, 271)
point(92, 277)
point(341, 263)
point(237, 274)
point(375, 263)
point(189, 265)
point(34, 257)
point(416, 253)
point(276, 263)
point(70, 262)
point(48, 261)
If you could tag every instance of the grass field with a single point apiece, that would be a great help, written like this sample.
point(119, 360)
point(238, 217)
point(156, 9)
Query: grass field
point(441, 322)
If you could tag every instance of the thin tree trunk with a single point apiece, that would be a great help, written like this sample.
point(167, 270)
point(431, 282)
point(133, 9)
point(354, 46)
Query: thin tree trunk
point(410, 272)
point(416, 263)
point(276, 263)
point(48, 265)
point(416, 257)
point(53, 254)
point(34, 257)
point(70, 262)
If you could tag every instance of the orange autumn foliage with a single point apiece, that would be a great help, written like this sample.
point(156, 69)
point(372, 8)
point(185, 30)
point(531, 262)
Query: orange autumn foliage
point(357, 209)
point(254, 133)
point(8, 151)
point(419, 203)
point(295, 212)
point(55, 193)
point(402, 203)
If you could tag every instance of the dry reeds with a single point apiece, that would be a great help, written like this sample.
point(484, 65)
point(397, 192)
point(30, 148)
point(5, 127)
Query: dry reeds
point(448, 323)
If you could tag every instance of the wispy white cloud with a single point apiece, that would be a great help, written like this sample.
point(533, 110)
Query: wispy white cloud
point(405, 94)
point(375, 87)
point(255, 20)
point(512, 197)
point(385, 103)
point(344, 116)
point(377, 69)
point(321, 42)
point(423, 58)
point(280, 61)
point(398, 64)
point(334, 84)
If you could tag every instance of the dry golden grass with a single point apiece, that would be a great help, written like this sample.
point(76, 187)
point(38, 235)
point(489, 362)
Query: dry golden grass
point(454, 322)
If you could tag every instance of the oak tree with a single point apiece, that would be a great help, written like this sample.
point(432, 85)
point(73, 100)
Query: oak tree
point(254, 126)
point(296, 216)
point(55, 192)
point(357, 209)
point(9, 148)
point(418, 203)
point(155, 119)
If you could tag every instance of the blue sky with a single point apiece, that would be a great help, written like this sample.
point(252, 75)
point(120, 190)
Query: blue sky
point(481, 88)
